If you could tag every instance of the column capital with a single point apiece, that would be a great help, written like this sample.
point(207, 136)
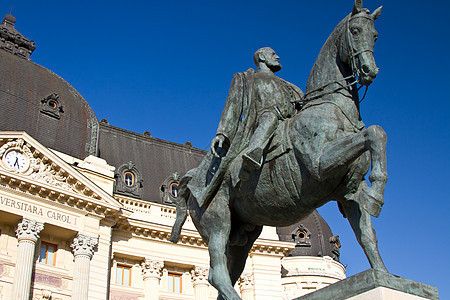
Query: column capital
point(245, 282)
point(151, 268)
point(84, 245)
point(200, 275)
point(29, 229)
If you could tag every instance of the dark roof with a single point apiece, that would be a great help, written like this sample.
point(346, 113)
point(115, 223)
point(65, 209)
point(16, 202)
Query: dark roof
point(155, 159)
point(318, 241)
point(26, 89)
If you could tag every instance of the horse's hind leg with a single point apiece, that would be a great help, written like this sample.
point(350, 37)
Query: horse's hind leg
point(216, 226)
point(361, 223)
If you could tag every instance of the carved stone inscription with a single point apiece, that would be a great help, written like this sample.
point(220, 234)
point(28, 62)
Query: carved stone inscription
point(36, 210)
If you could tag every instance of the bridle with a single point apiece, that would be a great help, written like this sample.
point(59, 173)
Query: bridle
point(354, 68)
point(354, 54)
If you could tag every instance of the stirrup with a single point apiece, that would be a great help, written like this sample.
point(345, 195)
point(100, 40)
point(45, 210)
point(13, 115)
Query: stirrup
point(248, 166)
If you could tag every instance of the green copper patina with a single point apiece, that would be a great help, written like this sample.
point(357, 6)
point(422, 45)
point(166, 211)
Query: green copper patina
point(279, 154)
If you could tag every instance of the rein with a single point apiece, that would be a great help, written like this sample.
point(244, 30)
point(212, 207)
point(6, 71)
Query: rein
point(353, 54)
point(355, 71)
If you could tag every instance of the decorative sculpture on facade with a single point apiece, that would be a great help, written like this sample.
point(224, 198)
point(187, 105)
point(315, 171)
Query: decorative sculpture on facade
point(307, 153)
point(52, 106)
point(29, 229)
point(84, 245)
point(152, 268)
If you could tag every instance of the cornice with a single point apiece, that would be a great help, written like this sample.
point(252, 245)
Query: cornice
point(161, 233)
point(157, 232)
point(272, 247)
point(40, 193)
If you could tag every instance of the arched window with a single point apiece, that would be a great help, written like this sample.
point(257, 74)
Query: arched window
point(128, 178)
point(174, 189)
point(169, 189)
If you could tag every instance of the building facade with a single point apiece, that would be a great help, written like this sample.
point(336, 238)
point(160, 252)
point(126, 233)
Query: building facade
point(86, 208)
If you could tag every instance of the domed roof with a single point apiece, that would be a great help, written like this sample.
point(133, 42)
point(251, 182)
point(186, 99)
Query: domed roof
point(313, 237)
point(44, 105)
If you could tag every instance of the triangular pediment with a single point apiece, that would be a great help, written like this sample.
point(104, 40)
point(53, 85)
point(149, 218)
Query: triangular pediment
point(28, 166)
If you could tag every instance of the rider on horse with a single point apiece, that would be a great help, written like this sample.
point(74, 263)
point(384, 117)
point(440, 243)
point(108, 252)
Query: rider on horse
point(256, 104)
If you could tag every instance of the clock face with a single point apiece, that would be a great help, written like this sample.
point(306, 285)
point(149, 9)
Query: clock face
point(16, 160)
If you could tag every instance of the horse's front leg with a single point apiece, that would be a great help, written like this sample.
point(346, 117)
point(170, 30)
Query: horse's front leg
point(343, 151)
point(378, 175)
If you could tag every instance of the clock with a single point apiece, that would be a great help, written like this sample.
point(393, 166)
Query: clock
point(16, 160)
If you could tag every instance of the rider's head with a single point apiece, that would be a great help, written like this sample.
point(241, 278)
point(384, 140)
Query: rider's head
point(267, 57)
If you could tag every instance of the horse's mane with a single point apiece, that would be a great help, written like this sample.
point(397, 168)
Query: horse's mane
point(330, 47)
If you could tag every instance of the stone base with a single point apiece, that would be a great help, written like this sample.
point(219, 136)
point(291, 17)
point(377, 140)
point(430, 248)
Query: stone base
point(375, 285)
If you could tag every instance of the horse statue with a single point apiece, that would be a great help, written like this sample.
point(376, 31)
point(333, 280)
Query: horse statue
point(329, 151)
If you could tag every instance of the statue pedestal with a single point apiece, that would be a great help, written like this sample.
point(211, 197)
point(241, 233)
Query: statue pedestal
point(375, 285)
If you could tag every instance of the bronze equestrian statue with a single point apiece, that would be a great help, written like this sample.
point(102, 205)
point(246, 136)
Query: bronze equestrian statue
point(316, 151)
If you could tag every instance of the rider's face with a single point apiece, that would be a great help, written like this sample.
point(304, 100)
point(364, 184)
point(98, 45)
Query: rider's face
point(272, 60)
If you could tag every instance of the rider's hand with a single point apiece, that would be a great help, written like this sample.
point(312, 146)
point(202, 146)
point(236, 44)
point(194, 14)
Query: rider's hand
point(217, 142)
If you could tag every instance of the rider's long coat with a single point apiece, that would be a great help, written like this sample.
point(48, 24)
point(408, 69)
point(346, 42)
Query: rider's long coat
point(236, 124)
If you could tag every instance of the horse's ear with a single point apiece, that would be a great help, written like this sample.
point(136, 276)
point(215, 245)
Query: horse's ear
point(377, 12)
point(357, 7)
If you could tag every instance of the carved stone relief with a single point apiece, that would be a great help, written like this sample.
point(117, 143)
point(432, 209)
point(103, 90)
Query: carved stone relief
point(151, 268)
point(84, 245)
point(199, 275)
point(40, 168)
point(29, 229)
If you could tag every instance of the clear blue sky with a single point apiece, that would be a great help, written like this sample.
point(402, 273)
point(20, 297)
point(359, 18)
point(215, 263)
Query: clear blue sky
point(166, 66)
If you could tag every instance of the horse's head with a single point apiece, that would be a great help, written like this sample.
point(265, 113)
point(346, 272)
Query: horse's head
point(360, 40)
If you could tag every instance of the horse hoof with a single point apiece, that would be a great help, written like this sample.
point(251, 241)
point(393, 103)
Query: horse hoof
point(371, 201)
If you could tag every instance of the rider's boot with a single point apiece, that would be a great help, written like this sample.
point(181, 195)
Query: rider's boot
point(251, 161)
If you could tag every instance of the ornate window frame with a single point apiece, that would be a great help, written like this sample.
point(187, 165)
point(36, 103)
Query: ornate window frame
point(123, 185)
point(167, 192)
point(52, 106)
point(302, 236)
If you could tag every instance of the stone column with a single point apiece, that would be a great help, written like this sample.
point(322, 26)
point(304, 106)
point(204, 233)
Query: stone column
point(246, 286)
point(83, 249)
point(200, 282)
point(27, 233)
point(151, 272)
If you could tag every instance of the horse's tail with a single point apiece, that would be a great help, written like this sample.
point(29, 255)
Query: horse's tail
point(182, 199)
